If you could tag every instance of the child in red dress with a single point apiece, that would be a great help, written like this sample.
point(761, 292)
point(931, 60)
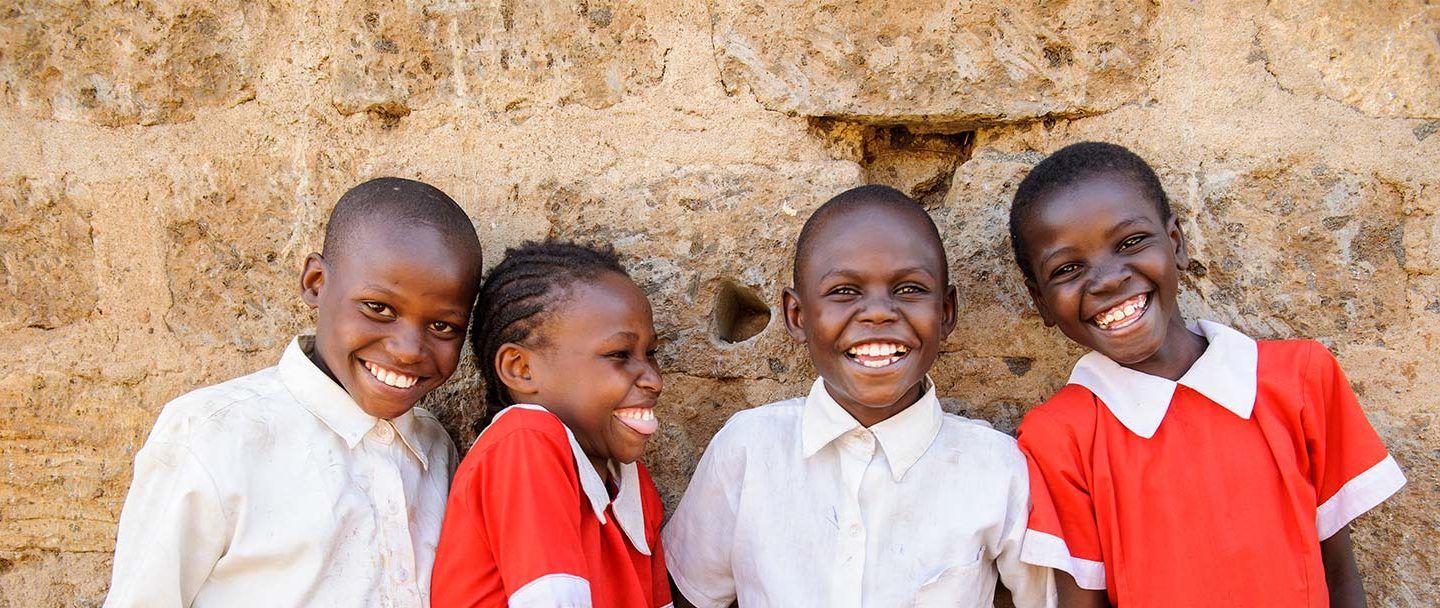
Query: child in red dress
point(1183, 465)
point(550, 507)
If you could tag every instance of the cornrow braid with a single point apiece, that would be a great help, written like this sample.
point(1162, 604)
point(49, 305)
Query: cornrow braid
point(526, 285)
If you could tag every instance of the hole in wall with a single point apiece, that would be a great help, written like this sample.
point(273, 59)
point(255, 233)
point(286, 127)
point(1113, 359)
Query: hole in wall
point(740, 313)
point(918, 163)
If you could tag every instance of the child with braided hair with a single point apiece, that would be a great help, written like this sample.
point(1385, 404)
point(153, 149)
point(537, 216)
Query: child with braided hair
point(550, 507)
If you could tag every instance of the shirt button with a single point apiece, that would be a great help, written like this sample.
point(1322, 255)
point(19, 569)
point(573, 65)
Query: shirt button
point(404, 575)
point(383, 432)
point(855, 530)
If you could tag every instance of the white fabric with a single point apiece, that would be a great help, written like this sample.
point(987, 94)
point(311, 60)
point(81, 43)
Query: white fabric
point(628, 510)
point(553, 591)
point(1225, 373)
point(1051, 551)
point(275, 489)
point(796, 504)
point(1362, 493)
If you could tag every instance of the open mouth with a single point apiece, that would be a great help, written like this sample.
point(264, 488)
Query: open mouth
point(390, 377)
point(877, 354)
point(1123, 314)
point(639, 419)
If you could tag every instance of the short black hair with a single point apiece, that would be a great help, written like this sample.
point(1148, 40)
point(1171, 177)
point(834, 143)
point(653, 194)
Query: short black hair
point(395, 201)
point(860, 197)
point(527, 284)
point(1069, 166)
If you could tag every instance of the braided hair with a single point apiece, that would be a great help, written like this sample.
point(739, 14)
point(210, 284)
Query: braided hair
point(1071, 165)
point(527, 284)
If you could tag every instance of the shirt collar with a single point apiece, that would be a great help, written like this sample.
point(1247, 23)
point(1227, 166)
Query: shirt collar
point(1225, 373)
point(905, 436)
point(629, 511)
point(325, 398)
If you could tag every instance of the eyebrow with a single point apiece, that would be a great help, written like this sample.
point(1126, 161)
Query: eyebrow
point(846, 272)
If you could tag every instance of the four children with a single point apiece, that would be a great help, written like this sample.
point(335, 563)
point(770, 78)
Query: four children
point(1184, 464)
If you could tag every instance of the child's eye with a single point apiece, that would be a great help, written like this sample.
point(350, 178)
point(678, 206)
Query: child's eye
point(379, 309)
point(910, 290)
point(443, 327)
point(1131, 241)
point(843, 290)
point(618, 354)
point(1064, 270)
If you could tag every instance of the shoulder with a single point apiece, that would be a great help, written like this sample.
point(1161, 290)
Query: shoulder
point(210, 410)
point(770, 424)
point(524, 429)
point(1292, 355)
point(1070, 412)
point(980, 438)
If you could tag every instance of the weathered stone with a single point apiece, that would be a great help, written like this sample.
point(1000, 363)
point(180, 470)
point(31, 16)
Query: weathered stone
point(47, 256)
point(510, 57)
point(935, 61)
point(121, 63)
point(1381, 58)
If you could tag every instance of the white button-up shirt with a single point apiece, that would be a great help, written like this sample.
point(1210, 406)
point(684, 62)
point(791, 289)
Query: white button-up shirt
point(797, 504)
point(275, 489)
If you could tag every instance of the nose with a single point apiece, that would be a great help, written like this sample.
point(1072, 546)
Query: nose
point(407, 344)
point(879, 308)
point(1108, 276)
point(649, 378)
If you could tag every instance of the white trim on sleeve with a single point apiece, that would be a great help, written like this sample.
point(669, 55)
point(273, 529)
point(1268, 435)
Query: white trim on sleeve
point(1360, 494)
point(553, 591)
point(1050, 551)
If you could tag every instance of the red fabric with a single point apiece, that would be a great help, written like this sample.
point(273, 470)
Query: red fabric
point(517, 513)
point(1214, 510)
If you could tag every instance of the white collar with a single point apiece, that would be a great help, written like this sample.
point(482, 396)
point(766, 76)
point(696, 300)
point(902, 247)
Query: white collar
point(629, 511)
point(904, 436)
point(1225, 373)
point(329, 402)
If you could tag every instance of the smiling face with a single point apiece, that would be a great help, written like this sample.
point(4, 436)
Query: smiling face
point(593, 367)
point(1107, 270)
point(391, 314)
point(872, 306)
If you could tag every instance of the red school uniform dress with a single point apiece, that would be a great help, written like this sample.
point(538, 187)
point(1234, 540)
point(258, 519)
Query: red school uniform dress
point(531, 523)
point(1215, 490)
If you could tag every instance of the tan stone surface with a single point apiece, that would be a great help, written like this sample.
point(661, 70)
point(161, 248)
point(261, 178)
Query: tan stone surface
point(167, 166)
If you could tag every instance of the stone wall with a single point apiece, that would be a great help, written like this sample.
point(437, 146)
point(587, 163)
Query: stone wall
point(167, 166)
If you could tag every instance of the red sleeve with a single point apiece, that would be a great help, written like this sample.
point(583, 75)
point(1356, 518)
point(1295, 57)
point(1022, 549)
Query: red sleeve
point(514, 515)
point(1061, 532)
point(1349, 466)
point(654, 516)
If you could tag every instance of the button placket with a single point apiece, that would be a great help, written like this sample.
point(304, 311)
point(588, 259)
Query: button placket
point(389, 499)
point(856, 452)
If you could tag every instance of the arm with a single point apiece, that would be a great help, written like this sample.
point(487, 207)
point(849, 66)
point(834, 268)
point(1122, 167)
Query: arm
point(1341, 575)
point(172, 529)
point(1072, 596)
point(699, 535)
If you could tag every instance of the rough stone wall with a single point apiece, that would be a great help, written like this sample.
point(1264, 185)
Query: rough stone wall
point(167, 166)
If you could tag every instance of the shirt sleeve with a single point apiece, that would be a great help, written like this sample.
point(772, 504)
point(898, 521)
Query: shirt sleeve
point(172, 529)
point(1349, 466)
point(522, 499)
point(1030, 585)
point(1062, 532)
point(701, 532)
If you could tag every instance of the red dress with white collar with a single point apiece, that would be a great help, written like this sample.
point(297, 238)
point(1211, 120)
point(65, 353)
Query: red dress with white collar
point(1225, 502)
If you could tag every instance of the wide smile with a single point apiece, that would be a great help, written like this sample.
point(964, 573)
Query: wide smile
point(642, 420)
point(877, 354)
point(1122, 315)
point(391, 379)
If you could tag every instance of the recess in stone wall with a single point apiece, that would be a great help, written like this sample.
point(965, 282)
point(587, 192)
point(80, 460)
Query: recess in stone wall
point(919, 164)
point(739, 314)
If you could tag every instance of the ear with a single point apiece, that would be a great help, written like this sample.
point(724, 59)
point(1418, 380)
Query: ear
point(794, 316)
point(1038, 300)
point(1177, 240)
point(312, 279)
point(952, 304)
point(514, 365)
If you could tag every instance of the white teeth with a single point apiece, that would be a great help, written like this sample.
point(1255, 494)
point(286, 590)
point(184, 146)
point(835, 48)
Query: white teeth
point(391, 378)
point(877, 349)
point(1122, 311)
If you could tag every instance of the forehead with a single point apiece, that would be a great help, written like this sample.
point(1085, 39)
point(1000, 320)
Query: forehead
point(872, 239)
point(599, 307)
point(1091, 207)
point(411, 259)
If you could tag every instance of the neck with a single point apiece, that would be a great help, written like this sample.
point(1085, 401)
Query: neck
point(1182, 348)
point(869, 416)
point(602, 466)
